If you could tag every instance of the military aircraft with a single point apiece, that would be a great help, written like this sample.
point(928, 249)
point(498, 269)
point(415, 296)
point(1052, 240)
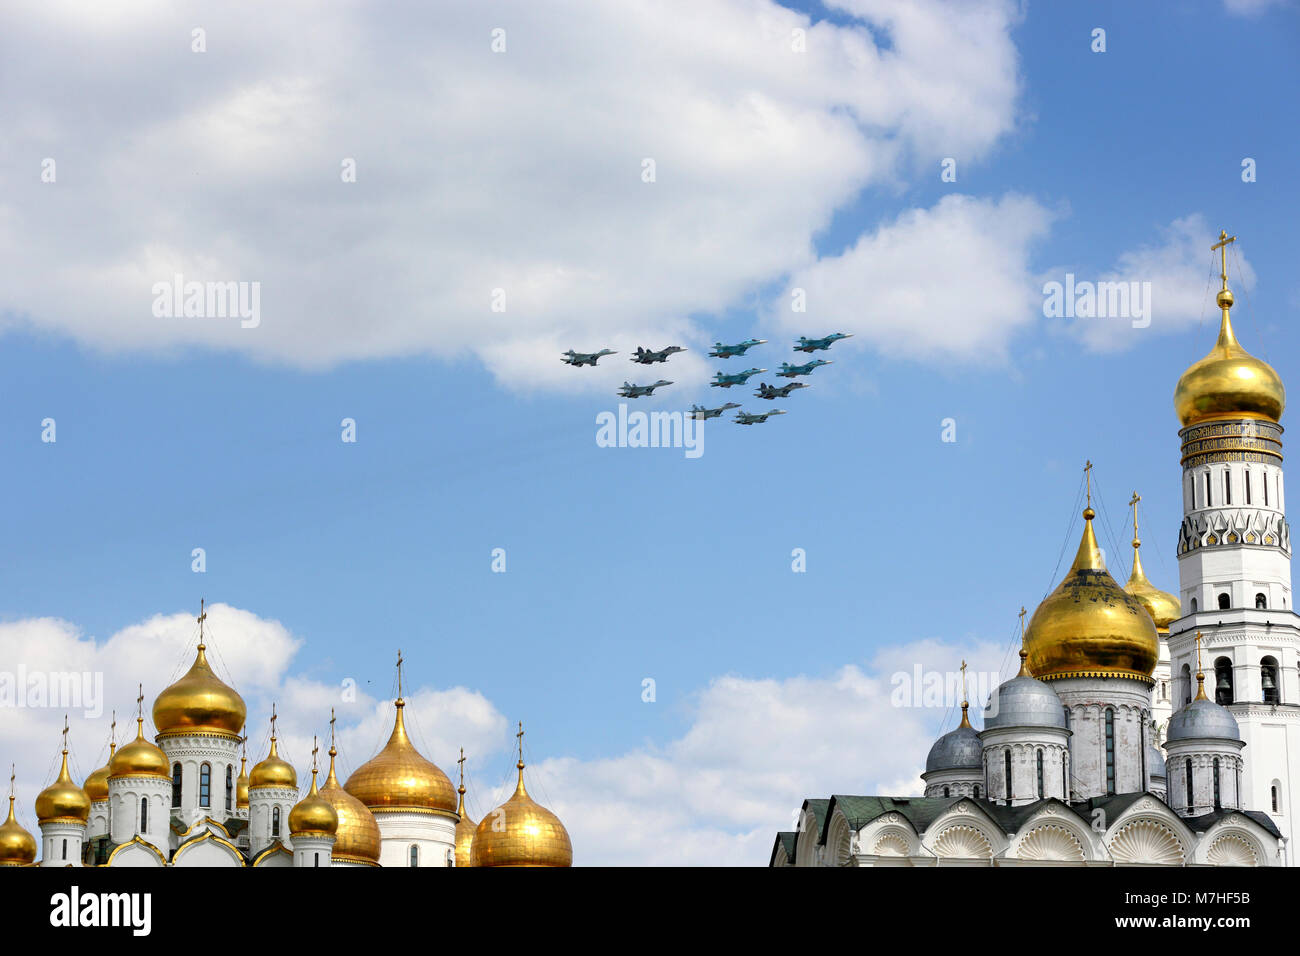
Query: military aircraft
point(755, 418)
point(812, 345)
point(649, 356)
point(736, 378)
point(790, 371)
point(771, 391)
point(637, 391)
point(702, 413)
point(727, 351)
point(585, 358)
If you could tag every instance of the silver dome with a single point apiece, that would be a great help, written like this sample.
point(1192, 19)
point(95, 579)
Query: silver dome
point(1155, 762)
point(1203, 718)
point(958, 749)
point(1024, 702)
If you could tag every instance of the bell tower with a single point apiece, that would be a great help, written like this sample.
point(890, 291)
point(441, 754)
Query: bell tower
point(1234, 562)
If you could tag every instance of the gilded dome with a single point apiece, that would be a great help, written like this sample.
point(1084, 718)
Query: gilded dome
point(357, 837)
point(241, 785)
point(1090, 626)
point(1229, 382)
point(96, 785)
point(1163, 607)
point(17, 846)
point(273, 772)
point(465, 828)
point(63, 799)
point(139, 758)
point(199, 703)
point(313, 814)
point(400, 778)
point(521, 832)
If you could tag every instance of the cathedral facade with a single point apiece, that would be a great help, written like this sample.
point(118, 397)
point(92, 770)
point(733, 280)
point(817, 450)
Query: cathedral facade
point(178, 800)
point(1143, 728)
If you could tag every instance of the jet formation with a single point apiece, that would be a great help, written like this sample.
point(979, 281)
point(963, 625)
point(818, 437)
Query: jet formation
point(645, 356)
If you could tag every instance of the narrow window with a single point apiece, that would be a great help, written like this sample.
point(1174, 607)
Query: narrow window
point(1273, 789)
point(205, 785)
point(1007, 773)
point(1188, 774)
point(945, 791)
point(1265, 483)
point(1216, 783)
point(1110, 752)
point(1041, 792)
point(1261, 602)
point(1225, 602)
point(317, 860)
point(1207, 489)
point(415, 855)
point(275, 821)
point(65, 849)
point(144, 815)
point(176, 785)
point(1223, 692)
point(977, 791)
point(1227, 487)
point(1193, 605)
point(1065, 780)
point(1247, 486)
point(230, 788)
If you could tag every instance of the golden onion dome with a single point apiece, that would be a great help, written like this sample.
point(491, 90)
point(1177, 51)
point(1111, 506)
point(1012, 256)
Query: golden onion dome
point(62, 800)
point(313, 815)
point(96, 785)
point(273, 772)
point(465, 828)
point(357, 837)
point(400, 778)
point(1229, 382)
point(139, 758)
point(241, 785)
point(17, 846)
point(521, 832)
point(1163, 607)
point(1090, 626)
point(199, 703)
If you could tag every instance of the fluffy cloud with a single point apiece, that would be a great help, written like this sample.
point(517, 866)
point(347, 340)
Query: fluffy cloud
point(519, 170)
point(952, 281)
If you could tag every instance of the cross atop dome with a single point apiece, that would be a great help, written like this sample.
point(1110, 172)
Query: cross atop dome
point(1222, 246)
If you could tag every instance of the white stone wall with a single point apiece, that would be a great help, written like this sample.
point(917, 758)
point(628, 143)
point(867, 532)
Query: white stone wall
point(124, 797)
point(61, 842)
point(262, 802)
point(1025, 744)
point(191, 752)
point(1201, 754)
point(1087, 699)
point(432, 834)
point(313, 850)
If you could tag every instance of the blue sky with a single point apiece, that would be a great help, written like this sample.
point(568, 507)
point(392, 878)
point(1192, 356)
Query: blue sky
point(625, 564)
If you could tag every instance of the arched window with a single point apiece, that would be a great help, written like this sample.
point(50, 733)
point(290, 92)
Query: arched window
point(1041, 792)
point(1187, 770)
point(205, 785)
point(415, 855)
point(1223, 681)
point(945, 793)
point(176, 785)
point(1216, 783)
point(977, 791)
point(65, 849)
point(1187, 685)
point(1225, 602)
point(1227, 487)
point(1268, 680)
point(316, 861)
point(275, 821)
point(1273, 792)
point(1193, 605)
point(1110, 751)
point(1247, 484)
point(144, 814)
point(230, 788)
point(1207, 489)
point(1261, 601)
point(1006, 765)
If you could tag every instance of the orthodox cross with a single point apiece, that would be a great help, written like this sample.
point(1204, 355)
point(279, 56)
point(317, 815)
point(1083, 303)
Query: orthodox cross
point(112, 732)
point(1133, 503)
point(1022, 623)
point(273, 719)
point(461, 761)
point(314, 748)
point(203, 616)
point(1087, 477)
point(12, 771)
point(139, 702)
point(65, 733)
point(963, 682)
point(331, 728)
point(520, 735)
point(399, 674)
point(1222, 247)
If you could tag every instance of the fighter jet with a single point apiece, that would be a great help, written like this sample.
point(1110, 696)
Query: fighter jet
point(637, 391)
point(727, 351)
point(790, 371)
point(649, 356)
point(702, 413)
point(736, 378)
point(755, 418)
point(812, 345)
point(585, 358)
point(771, 391)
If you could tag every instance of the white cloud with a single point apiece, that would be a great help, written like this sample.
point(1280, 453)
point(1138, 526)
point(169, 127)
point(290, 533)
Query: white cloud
point(952, 282)
point(1183, 274)
point(1250, 8)
point(476, 170)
